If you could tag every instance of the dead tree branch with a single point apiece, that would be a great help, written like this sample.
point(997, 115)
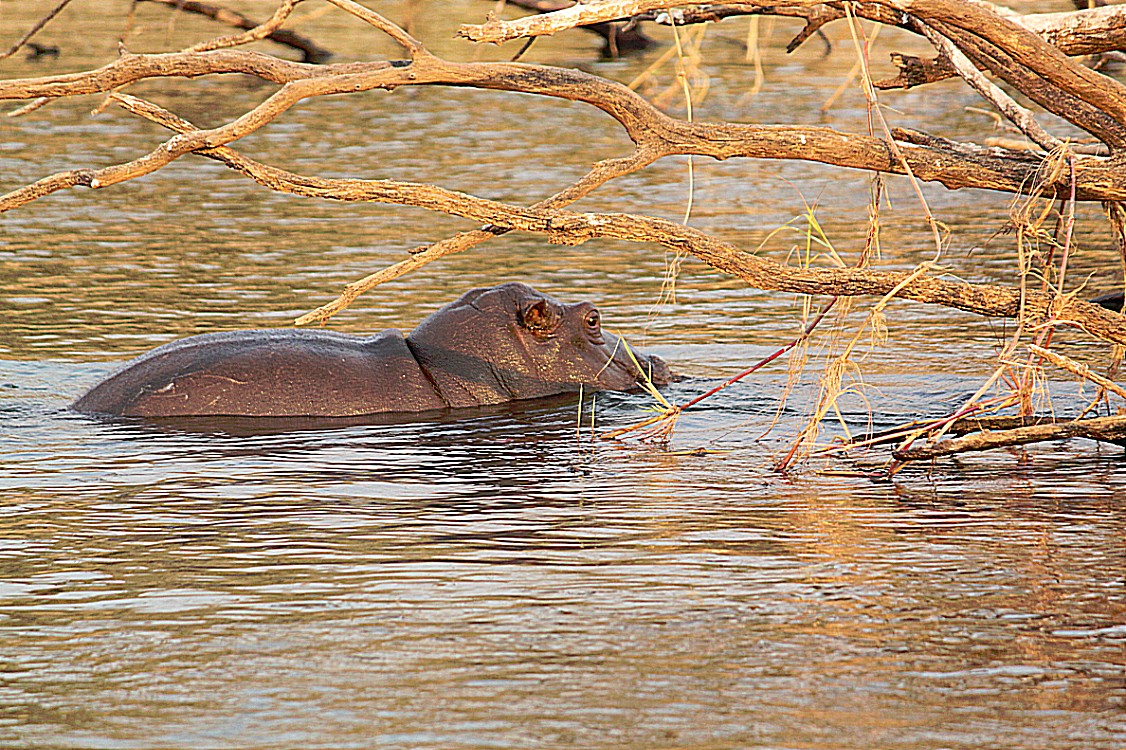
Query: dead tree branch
point(564, 227)
point(1103, 429)
point(937, 161)
point(993, 40)
point(617, 37)
point(311, 52)
point(1018, 115)
point(654, 134)
point(253, 34)
point(972, 37)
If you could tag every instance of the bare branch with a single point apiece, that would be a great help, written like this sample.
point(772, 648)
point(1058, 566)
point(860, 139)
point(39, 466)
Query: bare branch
point(1084, 97)
point(962, 166)
point(1104, 429)
point(405, 40)
point(1018, 115)
point(310, 51)
point(260, 31)
point(565, 227)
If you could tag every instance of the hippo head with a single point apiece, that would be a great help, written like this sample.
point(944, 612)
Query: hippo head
point(512, 342)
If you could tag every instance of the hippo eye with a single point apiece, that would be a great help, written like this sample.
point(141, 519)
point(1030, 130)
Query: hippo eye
point(593, 320)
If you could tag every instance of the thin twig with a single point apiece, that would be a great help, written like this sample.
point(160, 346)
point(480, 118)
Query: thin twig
point(1104, 429)
point(405, 40)
point(261, 31)
point(1077, 368)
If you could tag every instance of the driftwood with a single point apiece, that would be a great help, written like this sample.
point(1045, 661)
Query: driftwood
point(311, 52)
point(1102, 429)
point(974, 41)
point(987, 433)
point(618, 37)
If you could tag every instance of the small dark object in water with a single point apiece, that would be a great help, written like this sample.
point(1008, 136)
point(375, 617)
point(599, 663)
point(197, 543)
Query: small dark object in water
point(36, 51)
point(1112, 301)
point(490, 346)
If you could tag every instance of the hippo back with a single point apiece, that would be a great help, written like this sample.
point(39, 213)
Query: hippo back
point(274, 372)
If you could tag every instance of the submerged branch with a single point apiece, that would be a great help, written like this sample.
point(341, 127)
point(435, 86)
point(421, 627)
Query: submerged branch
point(1103, 429)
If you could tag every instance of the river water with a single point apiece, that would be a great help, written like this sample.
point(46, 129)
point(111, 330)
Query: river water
point(499, 578)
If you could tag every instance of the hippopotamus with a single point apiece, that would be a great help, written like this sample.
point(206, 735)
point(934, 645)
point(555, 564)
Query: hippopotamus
point(491, 346)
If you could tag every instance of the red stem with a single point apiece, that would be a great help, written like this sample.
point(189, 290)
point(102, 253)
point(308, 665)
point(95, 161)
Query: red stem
point(735, 379)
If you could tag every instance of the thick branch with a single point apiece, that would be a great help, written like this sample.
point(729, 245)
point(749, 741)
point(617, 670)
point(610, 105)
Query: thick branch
point(573, 228)
point(1027, 49)
point(1081, 32)
point(1018, 115)
point(955, 167)
point(1062, 102)
point(616, 37)
point(1085, 32)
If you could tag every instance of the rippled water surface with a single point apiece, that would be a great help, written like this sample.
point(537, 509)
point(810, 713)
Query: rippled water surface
point(498, 578)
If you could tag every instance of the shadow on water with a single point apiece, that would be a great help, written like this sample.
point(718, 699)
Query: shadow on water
point(483, 420)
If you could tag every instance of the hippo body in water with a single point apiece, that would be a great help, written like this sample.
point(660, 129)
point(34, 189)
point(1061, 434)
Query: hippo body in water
point(490, 346)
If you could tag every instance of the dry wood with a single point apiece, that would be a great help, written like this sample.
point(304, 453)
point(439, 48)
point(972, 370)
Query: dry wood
point(1088, 31)
point(567, 227)
point(916, 71)
point(1080, 32)
point(655, 134)
point(961, 426)
point(973, 36)
point(1063, 101)
point(617, 38)
point(1103, 429)
point(253, 34)
point(311, 52)
point(1086, 98)
point(1077, 368)
point(1018, 115)
point(937, 161)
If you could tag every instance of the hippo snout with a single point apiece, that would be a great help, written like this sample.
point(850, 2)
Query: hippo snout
point(656, 369)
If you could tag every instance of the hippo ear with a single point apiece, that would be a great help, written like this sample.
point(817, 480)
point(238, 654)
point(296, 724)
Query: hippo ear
point(539, 317)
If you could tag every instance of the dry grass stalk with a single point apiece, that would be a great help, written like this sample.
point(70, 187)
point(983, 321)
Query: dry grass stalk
point(1077, 368)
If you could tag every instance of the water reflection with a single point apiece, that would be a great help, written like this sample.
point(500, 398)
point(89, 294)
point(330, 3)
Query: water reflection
point(493, 581)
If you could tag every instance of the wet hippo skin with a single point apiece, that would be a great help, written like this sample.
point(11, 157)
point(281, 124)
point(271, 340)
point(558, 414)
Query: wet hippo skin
point(490, 346)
